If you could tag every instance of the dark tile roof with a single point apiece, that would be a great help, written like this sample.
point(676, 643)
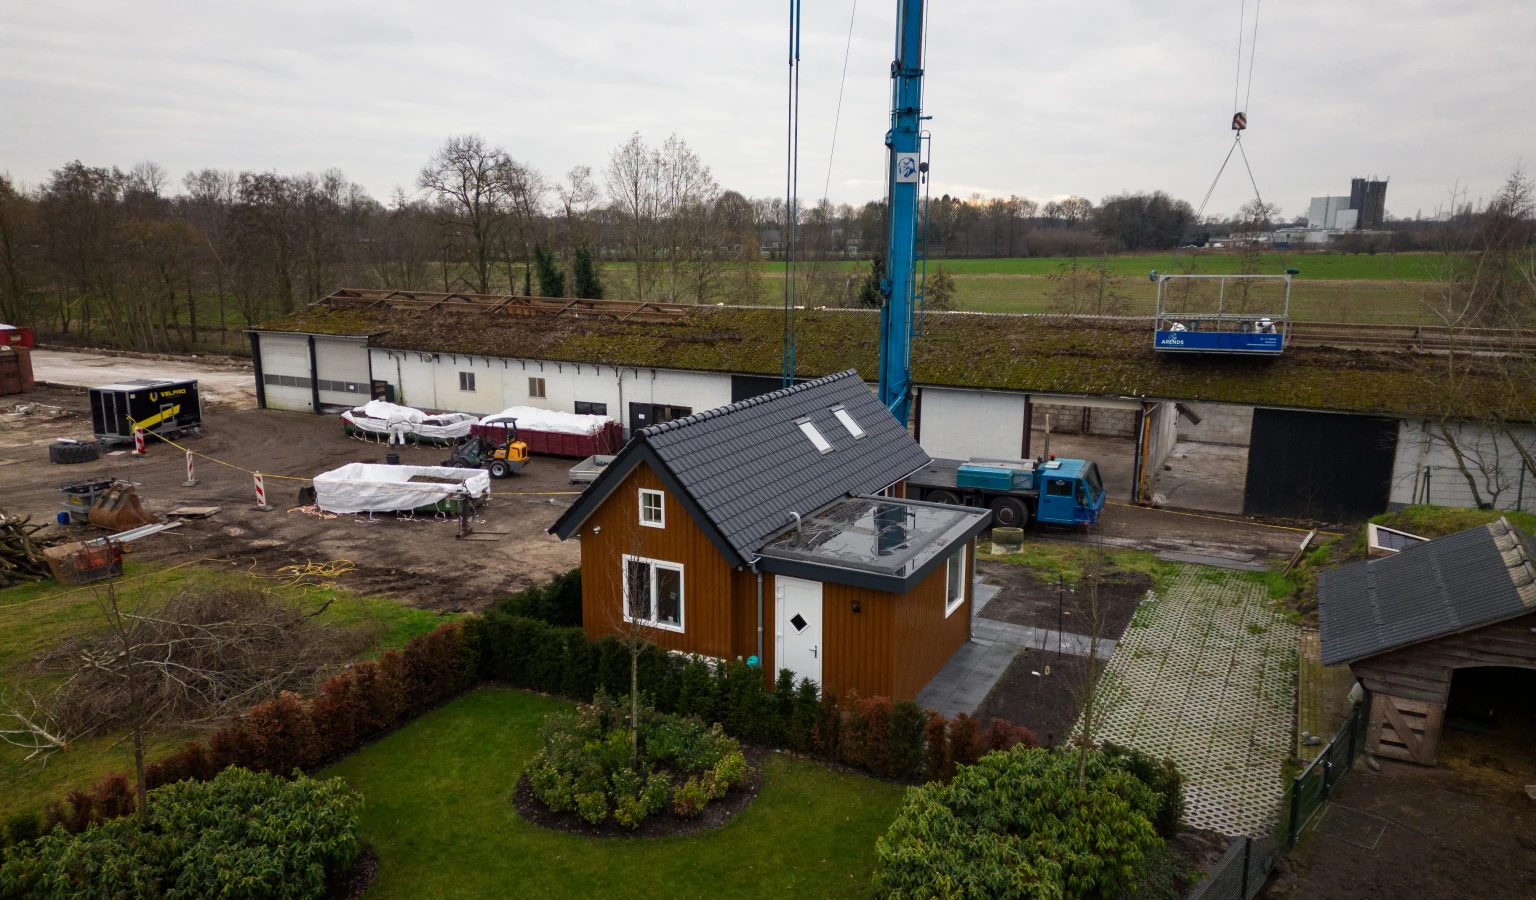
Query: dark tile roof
point(1452, 584)
point(748, 465)
point(745, 467)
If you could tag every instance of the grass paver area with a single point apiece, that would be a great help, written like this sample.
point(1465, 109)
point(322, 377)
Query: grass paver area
point(439, 814)
point(1206, 674)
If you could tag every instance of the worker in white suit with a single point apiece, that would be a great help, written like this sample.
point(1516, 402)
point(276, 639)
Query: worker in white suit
point(399, 426)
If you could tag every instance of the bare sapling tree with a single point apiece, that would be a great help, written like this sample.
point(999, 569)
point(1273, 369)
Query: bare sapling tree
point(1091, 622)
point(649, 595)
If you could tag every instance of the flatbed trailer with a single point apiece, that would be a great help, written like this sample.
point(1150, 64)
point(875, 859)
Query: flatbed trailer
point(1073, 491)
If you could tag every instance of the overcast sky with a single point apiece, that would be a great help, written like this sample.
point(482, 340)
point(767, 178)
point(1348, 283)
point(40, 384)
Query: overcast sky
point(1036, 99)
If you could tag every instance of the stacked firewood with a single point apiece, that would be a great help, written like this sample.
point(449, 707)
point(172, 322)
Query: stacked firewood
point(21, 552)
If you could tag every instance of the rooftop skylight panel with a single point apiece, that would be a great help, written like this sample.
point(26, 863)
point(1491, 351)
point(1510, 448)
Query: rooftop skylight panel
point(848, 422)
point(821, 444)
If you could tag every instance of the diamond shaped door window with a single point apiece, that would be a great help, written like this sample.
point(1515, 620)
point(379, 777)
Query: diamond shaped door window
point(799, 622)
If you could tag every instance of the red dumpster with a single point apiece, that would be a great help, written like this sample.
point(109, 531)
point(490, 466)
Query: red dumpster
point(11, 336)
point(605, 441)
point(15, 369)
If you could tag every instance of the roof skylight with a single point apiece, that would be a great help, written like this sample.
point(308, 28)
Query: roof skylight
point(822, 444)
point(847, 419)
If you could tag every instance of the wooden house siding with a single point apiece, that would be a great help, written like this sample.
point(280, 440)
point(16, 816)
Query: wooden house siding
point(614, 530)
point(1409, 687)
point(925, 637)
point(859, 652)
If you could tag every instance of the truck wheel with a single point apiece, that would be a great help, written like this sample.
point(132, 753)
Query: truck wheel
point(69, 454)
point(499, 469)
point(1008, 512)
point(942, 497)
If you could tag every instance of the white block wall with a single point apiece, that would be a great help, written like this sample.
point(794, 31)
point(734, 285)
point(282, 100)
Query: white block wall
point(431, 381)
point(1491, 459)
point(961, 424)
point(1220, 423)
point(1163, 425)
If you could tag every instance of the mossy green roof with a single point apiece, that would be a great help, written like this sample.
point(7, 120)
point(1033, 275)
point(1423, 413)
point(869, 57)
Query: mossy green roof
point(1021, 353)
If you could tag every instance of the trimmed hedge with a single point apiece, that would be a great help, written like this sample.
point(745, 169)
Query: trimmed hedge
point(241, 835)
point(1016, 826)
point(891, 738)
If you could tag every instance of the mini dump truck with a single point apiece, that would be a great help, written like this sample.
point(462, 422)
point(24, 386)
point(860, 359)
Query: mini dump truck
point(1057, 491)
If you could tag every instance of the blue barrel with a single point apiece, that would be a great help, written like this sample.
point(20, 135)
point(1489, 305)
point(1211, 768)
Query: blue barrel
point(62, 518)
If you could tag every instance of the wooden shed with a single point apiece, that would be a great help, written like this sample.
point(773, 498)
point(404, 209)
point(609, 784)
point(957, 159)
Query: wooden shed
point(1406, 623)
point(776, 528)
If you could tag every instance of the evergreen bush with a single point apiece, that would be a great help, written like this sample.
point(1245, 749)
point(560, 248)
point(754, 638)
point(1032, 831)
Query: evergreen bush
point(1016, 826)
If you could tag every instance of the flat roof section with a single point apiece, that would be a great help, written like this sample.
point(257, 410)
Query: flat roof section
point(882, 543)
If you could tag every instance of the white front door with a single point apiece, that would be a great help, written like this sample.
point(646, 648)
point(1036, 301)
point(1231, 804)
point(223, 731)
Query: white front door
point(799, 607)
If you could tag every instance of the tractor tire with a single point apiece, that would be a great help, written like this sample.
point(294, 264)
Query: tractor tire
point(68, 454)
point(942, 497)
point(500, 469)
point(1009, 512)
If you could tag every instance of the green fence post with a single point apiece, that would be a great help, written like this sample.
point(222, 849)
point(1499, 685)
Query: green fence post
point(1290, 837)
point(1247, 849)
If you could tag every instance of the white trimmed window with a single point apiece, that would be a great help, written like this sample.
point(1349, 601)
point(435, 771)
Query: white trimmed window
point(954, 582)
point(653, 593)
point(653, 510)
point(466, 381)
point(536, 387)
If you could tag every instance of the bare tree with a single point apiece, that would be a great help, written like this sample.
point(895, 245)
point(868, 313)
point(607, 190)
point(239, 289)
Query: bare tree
point(635, 194)
point(1079, 288)
point(1093, 618)
point(469, 179)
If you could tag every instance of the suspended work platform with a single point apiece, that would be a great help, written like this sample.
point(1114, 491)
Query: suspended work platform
point(1246, 315)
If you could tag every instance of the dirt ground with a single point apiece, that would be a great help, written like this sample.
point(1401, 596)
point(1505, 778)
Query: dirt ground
point(1464, 828)
point(1155, 530)
point(1045, 703)
point(417, 560)
point(1026, 600)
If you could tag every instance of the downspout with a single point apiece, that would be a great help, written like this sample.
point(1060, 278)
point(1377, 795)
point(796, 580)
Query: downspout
point(314, 378)
point(261, 386)
point(759, 615)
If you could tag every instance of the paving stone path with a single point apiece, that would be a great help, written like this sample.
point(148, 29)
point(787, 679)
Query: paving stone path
point(1206, 674)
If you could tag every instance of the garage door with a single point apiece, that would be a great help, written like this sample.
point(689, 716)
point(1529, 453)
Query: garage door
point(967, 424)
point(1319, 465)
point(342, 366)
point(285, 371)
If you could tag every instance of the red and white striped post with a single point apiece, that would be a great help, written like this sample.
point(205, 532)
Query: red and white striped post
point(261, 495)
point(191, 479)
point(138, 442)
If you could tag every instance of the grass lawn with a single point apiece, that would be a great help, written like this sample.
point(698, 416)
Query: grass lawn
point(438, 811)
point(1068, 558)
point(33, 618)
point(1381, 267)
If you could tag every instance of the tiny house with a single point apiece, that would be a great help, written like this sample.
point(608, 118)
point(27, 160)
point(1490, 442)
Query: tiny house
point(777, 528)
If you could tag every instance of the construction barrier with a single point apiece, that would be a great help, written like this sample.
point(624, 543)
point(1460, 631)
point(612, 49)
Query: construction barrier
point(261, 494)
point(191, 479)
point(138, 442)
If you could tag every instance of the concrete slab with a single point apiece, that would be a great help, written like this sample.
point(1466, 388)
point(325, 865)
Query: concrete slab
point(1220, 561)
point(1204, 476)
point(221, 383)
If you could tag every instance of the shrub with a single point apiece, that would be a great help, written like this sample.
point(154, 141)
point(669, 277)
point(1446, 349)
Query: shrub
point(20, 828)
point(282, 735)
point(587, 764)
point(1164, 778)
point(1002, 735)
point(191, 761)
point(242, 834)
point(827, 728)
point(964, 744)
point(1016, 825)
point(744, 706)
point(806, 712)
point(936, 762)
point(865, 736)
point(556, 602)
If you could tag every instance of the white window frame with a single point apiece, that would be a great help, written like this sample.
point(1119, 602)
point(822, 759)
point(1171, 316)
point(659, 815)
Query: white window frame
point(849, 423)
point(536, 382)
point(661, 508)
point(953, 603)
point(467, 378)
point(814, 435)
point(682, 593)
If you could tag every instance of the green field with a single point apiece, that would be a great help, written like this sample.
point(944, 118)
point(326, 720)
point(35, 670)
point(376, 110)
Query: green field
point(438, 812)
point(34, 617)
point(1338, 267)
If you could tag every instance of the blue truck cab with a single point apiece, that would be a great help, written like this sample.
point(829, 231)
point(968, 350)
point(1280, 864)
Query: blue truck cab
point(1057, 491)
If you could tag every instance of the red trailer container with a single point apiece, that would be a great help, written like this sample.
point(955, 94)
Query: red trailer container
point(605, 441)
point(11, 336)
point(15, 369)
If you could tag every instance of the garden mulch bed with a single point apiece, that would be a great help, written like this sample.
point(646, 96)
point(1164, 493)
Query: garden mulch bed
point(1046, 704)
point(1026, 600)
point(354, 883)
point(664, 824)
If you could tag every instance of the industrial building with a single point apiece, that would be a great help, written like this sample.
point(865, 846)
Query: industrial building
point(1320, 432)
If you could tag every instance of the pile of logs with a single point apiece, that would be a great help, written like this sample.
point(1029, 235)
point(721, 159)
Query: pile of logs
point(21, 554)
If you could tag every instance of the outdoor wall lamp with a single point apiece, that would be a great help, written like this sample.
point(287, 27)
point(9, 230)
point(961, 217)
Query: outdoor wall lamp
point(856, 608)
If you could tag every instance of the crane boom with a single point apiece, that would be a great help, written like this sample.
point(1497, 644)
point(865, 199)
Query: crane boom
point(904, 172)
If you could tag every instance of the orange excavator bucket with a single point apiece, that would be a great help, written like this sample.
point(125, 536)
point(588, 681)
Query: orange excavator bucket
point(118, 509)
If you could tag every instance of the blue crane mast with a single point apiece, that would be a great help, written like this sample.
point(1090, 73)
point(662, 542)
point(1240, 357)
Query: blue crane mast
point(905, 170)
